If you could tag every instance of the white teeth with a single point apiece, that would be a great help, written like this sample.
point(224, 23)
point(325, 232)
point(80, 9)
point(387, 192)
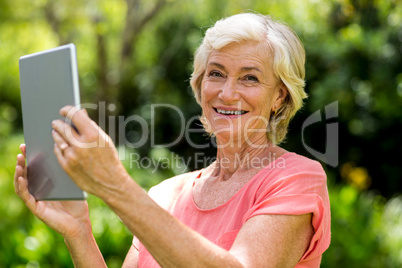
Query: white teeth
point(230, 112)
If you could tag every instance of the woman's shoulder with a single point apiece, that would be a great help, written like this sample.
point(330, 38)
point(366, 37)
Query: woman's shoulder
point(168, 190)
point(291, 172)
point(176, 183)
point(296, 163)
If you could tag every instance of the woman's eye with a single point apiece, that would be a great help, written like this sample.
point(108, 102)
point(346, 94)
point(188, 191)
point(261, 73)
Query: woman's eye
point(215, 74)
point(251, 78)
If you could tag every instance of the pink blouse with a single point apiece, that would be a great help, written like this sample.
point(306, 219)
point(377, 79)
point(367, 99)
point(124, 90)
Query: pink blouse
point(292, 185)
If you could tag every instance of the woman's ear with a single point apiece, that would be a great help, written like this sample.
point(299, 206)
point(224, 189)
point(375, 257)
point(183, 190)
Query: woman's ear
point(282, 94)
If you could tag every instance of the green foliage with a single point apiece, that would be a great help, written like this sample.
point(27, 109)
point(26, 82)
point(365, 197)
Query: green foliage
point(26, 241)
point(361, 226)
point(353, 57)
point(366, 228)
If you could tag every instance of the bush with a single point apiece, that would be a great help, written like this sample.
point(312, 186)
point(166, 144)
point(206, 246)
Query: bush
point(366, 228)
point(27, 242)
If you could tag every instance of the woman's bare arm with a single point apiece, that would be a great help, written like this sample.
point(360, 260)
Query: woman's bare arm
point(264, 241)
point(131, 258)
point(84, 251)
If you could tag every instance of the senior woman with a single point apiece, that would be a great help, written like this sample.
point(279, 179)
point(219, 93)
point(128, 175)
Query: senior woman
point(257, 205)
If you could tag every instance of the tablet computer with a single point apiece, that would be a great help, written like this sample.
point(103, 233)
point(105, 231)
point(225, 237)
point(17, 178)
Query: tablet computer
point(48, 81)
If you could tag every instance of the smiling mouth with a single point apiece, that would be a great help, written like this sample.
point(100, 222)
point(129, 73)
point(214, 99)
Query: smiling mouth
point(230, 112)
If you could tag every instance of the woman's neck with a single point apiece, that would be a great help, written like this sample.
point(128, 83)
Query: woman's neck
point(245, 157)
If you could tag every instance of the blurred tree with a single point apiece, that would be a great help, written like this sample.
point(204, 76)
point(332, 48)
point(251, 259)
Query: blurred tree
point(137, 53)
point(138, 14)
point(355, 58)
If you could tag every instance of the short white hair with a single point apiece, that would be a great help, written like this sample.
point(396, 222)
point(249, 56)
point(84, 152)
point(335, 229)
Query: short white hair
point(288, 60)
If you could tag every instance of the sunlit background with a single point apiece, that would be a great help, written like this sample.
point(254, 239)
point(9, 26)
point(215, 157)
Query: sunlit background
point(133, 54)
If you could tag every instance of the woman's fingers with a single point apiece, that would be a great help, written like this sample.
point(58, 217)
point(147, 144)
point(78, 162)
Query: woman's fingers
point(21, 181)
point(79, 117)
point(85, 133)
point(19, 172)
point(20, 169)
point(21, 185)
point(66, 132)
point(23, 150)
point(60, 142)
point(62, 149)
point(21, 160)
point(71, 138)
point(24, 194)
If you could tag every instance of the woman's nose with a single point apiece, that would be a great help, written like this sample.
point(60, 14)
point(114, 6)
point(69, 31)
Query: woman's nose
point(229, 91)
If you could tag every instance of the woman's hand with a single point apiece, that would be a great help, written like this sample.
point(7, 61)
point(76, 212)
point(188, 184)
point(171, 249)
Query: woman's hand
point(69, 218)
point(88, 154)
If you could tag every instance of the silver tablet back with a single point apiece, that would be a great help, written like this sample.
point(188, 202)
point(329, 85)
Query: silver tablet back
point(48, 81)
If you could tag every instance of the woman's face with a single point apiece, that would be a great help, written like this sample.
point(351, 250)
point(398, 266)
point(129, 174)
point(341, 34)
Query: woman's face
point(239, 92)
